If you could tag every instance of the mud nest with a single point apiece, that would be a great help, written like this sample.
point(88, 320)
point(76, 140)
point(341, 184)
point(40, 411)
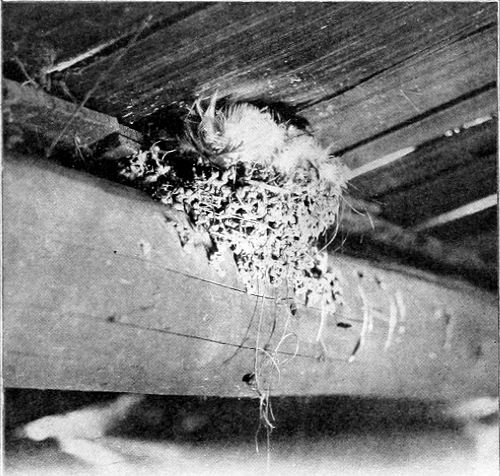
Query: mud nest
point(261, 187)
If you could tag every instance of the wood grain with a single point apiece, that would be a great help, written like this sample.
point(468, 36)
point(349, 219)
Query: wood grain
point(99, 295)
point(472, 228)
point(406, 91)
point(300, 53)
point(73, 29)
point(479, 231)
point(442, 193)
point(469, 209)
point(430, 127)
point(366, 235)
point(31, 115)
point(429, 160)
point(33, 120)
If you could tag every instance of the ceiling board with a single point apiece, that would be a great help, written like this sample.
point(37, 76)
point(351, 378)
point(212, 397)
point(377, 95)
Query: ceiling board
point(442, 193)
point(370, 77)
point(475, 232)
point(471, 227)
point(429, 160)
point(406, 92)
point(413, 134)
point(295, 52)
point(73, 28)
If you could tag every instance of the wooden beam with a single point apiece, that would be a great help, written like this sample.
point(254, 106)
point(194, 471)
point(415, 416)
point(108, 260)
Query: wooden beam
point(27, 110)
point(458, 213)
point(486, 242)
point(417, 247)
point(472, 228)
point(33, 119)
point(118, 145)
point(99, 295)
point(378, 163)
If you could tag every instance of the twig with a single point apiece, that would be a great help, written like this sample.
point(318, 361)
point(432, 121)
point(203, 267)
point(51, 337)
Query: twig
point(92, 90)
point(29, 79)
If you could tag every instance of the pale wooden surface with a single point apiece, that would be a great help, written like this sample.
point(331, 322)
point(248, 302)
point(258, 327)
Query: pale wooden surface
point(99, 295)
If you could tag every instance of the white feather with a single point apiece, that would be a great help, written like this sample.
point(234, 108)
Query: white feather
point(244, 133)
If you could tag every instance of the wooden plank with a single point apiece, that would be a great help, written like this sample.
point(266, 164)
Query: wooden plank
point(99, 295)
point(431, 159)
point(116, 146)
point(296, 52)
point(478, 231)
point(364, 157)
point(34, 119)
point(443, 193)
point(380, 162)
point(466, 210)
point(406, 91)
point(76, 31)
point(486, 242)
point(470, 227)
point(392, 240)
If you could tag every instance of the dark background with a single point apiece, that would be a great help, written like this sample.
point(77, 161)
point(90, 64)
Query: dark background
point(315, 435)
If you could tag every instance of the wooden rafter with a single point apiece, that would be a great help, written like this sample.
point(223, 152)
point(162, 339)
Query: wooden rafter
point(416, 246)
point(396, 144)
point(100, 295)
point(33, 120)
point(458, 213)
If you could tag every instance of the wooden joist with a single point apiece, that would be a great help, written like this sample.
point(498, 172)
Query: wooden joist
point(444, 154)
point(445, 192)
point(305, 54)
point(34, 120)
point(30, 111)
point(417, 247)
point(406, 92)
point(391, 146)
point(466, 210)
point(99, 295)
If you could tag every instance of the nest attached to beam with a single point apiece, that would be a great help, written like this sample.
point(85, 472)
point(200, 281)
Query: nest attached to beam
point(263, 188)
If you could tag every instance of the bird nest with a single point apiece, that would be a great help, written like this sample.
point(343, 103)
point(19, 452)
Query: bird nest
point(260, 187)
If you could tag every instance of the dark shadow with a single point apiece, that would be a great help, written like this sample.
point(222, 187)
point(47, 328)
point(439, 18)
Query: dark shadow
point(234, 420)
